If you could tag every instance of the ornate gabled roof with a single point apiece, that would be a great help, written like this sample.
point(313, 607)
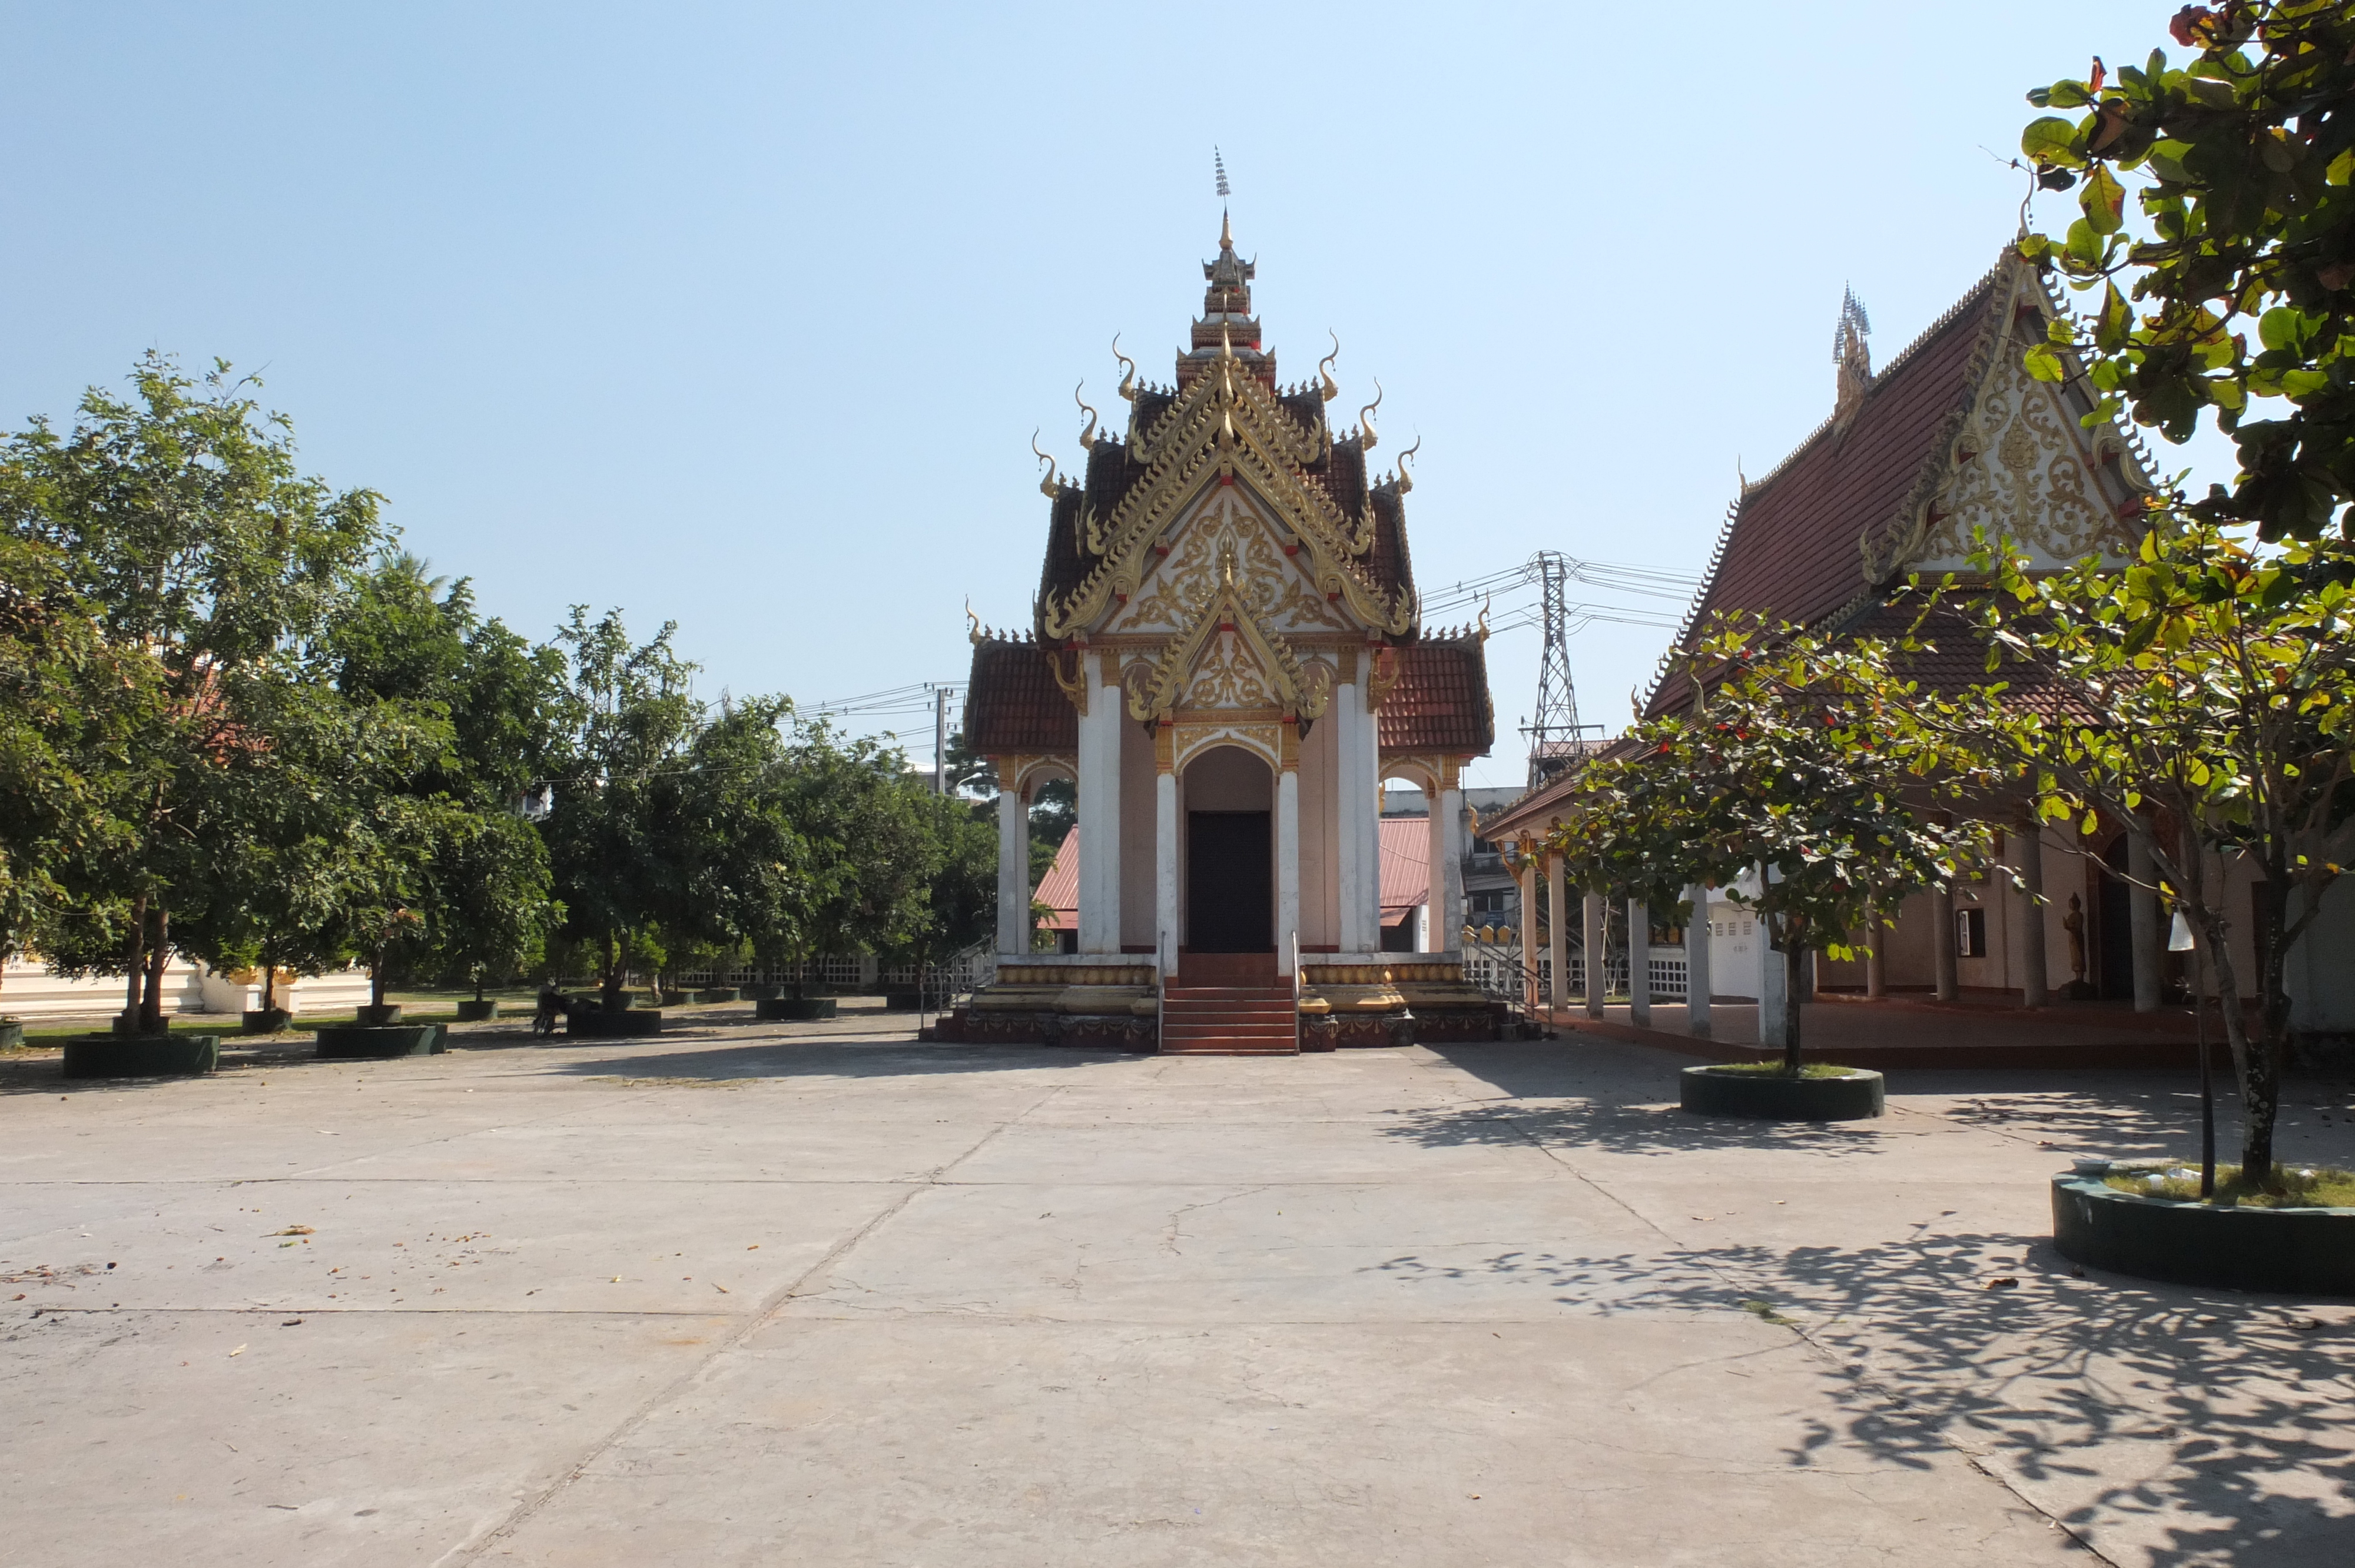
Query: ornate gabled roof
point(1300, 695)
point(1836, 524)
point(1225, 422)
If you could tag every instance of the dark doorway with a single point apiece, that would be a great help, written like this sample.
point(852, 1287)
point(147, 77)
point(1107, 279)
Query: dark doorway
point(1229, 883)
point(2116, 977)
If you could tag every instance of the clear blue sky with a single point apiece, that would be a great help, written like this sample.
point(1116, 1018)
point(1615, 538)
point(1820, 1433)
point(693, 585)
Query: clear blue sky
point(744, 315)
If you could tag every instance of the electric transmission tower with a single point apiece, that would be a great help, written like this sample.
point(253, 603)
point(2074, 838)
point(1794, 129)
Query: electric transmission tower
point(1553, 728)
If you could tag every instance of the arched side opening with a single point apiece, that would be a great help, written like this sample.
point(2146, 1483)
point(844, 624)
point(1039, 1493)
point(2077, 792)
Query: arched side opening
point(1228, 874)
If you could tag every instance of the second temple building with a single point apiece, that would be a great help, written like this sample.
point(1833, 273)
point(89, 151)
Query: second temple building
point(1227, 657)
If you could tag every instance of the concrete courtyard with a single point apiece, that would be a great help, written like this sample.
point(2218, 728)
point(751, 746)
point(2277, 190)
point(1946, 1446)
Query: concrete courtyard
point(819, 1294)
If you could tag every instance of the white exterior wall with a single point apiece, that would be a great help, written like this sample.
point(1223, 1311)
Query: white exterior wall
point(29, 990)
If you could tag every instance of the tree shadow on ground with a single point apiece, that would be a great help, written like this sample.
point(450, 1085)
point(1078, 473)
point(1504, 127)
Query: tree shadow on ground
point(833, 1056)
point(2163, 1425)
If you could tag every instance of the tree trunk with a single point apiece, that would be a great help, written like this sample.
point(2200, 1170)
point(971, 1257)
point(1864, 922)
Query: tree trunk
point(376, 978)
point(268, 982)
point(617, 953)
point(151, 1006)
point(134, 960)
point(478, 982)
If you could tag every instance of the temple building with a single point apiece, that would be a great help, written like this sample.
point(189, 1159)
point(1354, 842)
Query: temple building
point(1952, 439)
point(1227, 657)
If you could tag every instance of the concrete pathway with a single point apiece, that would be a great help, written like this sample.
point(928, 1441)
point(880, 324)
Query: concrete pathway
point(818, 1294)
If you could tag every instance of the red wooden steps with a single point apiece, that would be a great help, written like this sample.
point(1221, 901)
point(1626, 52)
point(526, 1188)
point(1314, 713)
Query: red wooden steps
point(1229, 1021)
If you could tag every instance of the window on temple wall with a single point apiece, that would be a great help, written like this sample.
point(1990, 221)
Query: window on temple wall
point(1970, 934)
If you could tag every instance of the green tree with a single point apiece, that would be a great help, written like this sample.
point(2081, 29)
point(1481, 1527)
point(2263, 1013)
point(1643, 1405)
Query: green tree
point(1794, 788)
point(2242, 160)
point(2215, 680)
point(871, 852)
point(177, 518)
point(613, 842)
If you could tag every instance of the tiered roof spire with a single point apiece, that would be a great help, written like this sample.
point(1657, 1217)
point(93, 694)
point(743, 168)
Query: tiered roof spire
point(1227, 324)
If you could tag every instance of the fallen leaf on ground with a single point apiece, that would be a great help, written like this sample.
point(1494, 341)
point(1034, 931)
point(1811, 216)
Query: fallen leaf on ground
point(294, 1231)
point(720, 1287)
point(292, 1323)
point(239, 1351)
point(2002, 1282)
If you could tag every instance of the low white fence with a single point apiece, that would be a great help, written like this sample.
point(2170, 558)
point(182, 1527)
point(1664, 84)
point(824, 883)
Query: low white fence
point(1491, 970)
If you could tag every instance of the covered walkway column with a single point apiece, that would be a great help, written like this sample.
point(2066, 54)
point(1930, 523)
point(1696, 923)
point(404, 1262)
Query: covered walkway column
point(1557, 930)
point(2027, 845)
point(1942, 943)
point(1639, 963)
point(1165, 851)
point(1287, 845)
point(1447, 859)
point(1597, 937)
point(1526, 873)
point(2142, 921)
point(1013, 864)
point(1099, 784)
point(1696, 979)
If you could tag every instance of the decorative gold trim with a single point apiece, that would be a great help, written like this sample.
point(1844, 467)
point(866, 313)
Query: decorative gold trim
point(1156, 696)
point(1382, 677)
point(1165, 742)
point(1075, 685)
point(1345, 665)
point(1287, 739)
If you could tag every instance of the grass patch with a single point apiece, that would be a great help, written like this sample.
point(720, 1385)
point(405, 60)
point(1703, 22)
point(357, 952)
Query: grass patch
point(1776, 1069)
point(2303, 1187)
point(1764, 1311)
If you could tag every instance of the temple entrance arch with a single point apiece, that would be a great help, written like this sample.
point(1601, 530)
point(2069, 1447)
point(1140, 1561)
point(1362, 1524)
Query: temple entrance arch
point(1230, 878)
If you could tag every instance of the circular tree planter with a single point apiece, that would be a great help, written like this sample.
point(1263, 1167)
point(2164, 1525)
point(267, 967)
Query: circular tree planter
point(901, 1000)
point(265, 1020)
point(716, 993)
point(2302, 1252)
point(347, 1041)
point(12, 1034)
point(387, 1013)
point(761, 992)
point(141, 1056)
point(473, 1011)
point(623, 1025)
point(794, 1008)
point(1853, 1094)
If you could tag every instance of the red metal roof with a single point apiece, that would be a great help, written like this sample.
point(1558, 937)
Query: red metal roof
point(1406, 867)
point(1059, 889)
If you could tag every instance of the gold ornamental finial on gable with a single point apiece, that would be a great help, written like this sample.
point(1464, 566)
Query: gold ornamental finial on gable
point(1331, 388)
point(1370, 437)
point(1046, 480)
point(1852, 353)
point(1128, 371)
point(1087, 436)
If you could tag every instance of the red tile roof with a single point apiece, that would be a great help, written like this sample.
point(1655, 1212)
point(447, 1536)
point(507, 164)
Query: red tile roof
point(1013, 706)
point(1441, 700)
point(1792, 547)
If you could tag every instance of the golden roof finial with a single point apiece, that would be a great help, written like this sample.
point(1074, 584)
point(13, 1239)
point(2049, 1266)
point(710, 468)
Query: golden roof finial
point(1366, 418)
point(1406, 479)
point(1046, 480)
point(1128, 370)
point(1088, 436)
point(1332, 388)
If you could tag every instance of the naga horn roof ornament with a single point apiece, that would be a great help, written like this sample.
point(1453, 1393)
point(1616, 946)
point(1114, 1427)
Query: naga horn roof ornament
point(1371, 437)
point(1406, 479)
point(1331, 388)
point(973, 631)
point(1128, 371)
point(1046, 485)
point(1087, 436)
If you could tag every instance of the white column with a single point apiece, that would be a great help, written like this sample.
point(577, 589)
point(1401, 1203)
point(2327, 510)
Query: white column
point(1451, 862)
point(1351, 806)
point(1597, 937)
point(1287, 866)
point(1165, 871)
point(1639, 964)
point(2142, 920)
point(1370, 824)
point(1941, 943)
point(1557, 932)
point(1013, 871)
point(1773, 979)
point(1437, 938)
point(1697, 977)
point(1528, 875)
point(1100, 738)
point(2027, 846)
